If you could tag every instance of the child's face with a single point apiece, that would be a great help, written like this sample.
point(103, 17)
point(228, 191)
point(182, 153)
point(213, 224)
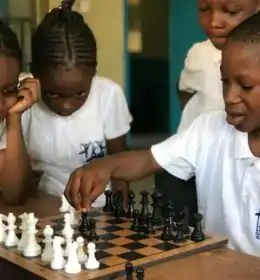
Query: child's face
point(65, 89)
point(9, 79)
point(219, 17)
point(240, 71)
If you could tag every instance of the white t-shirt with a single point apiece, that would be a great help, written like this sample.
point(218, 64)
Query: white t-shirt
point(59, 145)
point(227, 177)
point(201, 77)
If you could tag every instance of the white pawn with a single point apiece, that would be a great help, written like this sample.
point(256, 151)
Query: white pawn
point(67, 226)
point(24, 228)
point(3, 228)
point(65, 206)
point(11, 239)
point(73, 266)
point(32, 248)
point(92, 262)
point(58, 260)
point(73, 216)
point(68, 239)
point(82, 257)
point(48, 251)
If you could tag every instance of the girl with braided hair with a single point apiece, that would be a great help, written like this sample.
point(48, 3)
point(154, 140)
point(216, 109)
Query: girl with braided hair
point(82, 116)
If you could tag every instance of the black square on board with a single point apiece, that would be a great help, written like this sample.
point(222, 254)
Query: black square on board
point(102, 255)
point(104, 245)
point(165, 246)
point(103, 266)
point(131, 256)
point(134, 246)
point(115, 221)
point(111, 228)
point(108, 236)
point(136, 237)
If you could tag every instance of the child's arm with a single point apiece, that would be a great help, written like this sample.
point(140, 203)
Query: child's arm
point(15, 171)
point(114, 146)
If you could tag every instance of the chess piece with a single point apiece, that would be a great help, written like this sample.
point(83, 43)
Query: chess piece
point(156, 212)
point(92, 262)
point(67, 225)
point(135, 226)
point(184, 221)
point(140, 273)
point(73, 216)
point(180, 236)
point(2, 228)
point(11, 238)
point(108, 208)
point(92, 234)
point(131, 204)
point(197, 235)
point(65, 206)
point(68, 239)
point(129, 271)
point(150, 228)
point(47, 252)
point(58, 260)
point(167, 233)
point(144, 211)
point(24, 228)
point(73, 266)
point(84, 226)
point(119, 210)
point(32, 248)
point(82, 257)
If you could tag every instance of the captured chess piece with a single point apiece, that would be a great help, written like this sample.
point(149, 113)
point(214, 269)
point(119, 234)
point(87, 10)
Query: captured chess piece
point(139, 273)
point(135, 226)
point(129, 271)
point(108, 208)
point(92, 234)
point(131, 204)
point(197, 234)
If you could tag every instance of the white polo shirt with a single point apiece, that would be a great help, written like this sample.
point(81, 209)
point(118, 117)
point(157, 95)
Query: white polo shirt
point(59, 145)
point(201, 77)
point(227, 177)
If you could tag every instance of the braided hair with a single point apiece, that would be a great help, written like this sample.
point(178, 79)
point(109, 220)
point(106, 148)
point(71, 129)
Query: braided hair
point(9, 44)
point(63, 38)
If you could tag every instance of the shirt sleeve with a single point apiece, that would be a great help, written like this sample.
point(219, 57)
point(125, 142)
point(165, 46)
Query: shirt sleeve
point(26, 120)
point(192, 77)
point(3, 135)
point(117, 118)
point(179, 154)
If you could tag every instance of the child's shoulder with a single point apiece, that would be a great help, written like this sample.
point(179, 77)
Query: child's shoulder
point(103, 84)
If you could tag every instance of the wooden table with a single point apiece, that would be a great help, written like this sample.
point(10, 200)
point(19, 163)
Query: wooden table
point(219, 264)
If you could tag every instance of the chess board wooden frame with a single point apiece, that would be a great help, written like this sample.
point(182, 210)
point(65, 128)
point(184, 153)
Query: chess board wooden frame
point(43, 272)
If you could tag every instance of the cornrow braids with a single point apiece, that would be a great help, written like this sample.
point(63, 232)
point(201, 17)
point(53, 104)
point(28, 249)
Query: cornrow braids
point(63, 38)
point(9, 44)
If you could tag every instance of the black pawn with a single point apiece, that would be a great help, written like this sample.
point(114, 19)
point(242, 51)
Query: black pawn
point(135, 226)
point(108, 208)
point(131, 203)
point(92, 235)
point(156, 213)
point(140, 273)
point(84, 226)
point(150, 228)
point(129, 271)
point(197, 235)
point(144, 210)
point(119, 205)
point(167, 233)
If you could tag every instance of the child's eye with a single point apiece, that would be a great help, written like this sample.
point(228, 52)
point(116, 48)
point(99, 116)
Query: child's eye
point(247, 88)
point(51, 94)
point(203, 9)
point(81, 94)
point(11, 91)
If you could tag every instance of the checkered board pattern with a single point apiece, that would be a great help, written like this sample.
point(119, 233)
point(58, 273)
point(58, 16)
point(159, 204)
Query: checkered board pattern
point(117, 245)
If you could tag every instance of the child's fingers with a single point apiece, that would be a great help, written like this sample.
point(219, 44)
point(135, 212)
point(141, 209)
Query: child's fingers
point(72, 191)
point(33, 85)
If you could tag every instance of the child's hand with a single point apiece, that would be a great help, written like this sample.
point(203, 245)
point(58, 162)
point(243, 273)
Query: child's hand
point(87, 183)
point(29, 93)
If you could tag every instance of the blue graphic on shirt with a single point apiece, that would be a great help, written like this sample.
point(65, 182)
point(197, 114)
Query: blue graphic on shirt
point(92, 150)
point(257, 231)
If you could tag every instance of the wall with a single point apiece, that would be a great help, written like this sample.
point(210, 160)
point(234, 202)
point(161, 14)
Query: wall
point(106, 18)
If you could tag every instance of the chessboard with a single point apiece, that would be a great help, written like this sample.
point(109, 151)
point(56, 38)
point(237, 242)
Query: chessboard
point(117, 245)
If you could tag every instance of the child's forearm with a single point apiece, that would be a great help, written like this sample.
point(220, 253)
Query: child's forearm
point(16, 172)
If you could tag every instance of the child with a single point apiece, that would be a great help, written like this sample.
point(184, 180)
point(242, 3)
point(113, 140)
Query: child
point(225, 157)
point(82, 116)
point(14, 100)
point(200, 82)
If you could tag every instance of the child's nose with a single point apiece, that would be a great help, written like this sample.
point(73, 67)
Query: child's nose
point(216, 20)
point(231, 95)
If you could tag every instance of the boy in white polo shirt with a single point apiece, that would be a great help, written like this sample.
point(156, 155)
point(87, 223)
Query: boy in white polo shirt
point(221, 149)
point(200, 81)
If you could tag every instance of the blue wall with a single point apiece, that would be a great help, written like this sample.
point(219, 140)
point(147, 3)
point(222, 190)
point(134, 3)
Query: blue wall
point(184, 31)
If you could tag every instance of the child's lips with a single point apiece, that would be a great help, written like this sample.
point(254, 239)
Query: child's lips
point(235, 119)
